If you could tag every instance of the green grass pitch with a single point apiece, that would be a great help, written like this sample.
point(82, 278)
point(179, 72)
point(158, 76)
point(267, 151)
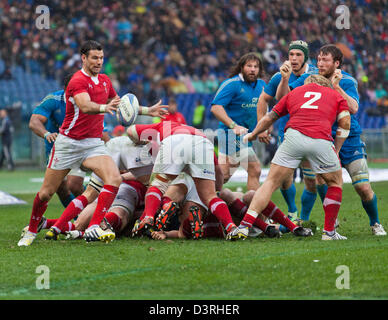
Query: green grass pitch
point(285, 268)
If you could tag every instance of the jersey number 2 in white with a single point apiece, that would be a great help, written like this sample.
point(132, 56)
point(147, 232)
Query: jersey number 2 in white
point(309, 104)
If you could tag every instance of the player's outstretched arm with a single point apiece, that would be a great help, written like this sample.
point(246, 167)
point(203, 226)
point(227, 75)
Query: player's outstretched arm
point(262, 125)
point(83, 101)
point(156, 110)
point(262, 109)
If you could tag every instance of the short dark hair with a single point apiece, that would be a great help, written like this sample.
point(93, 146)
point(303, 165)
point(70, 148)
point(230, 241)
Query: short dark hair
point(236, 69)
point(90, 45)
point(66, 80)
point(335, 52)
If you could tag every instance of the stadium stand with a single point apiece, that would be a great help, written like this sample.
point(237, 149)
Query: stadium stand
point(158, 48)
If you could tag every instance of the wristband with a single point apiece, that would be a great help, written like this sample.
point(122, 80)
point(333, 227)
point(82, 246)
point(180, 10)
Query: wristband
point(232, 125)
point(46, 134)
point(102, 108)
point(144, 111)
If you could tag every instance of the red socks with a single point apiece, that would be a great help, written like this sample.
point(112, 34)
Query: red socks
point(273, 212)
point(72, 210)
point(153, 200)
point(105, 199)
point(38, 209)
point(219, 208)
point(331, 206)
point(114, 220)
point(238, 208)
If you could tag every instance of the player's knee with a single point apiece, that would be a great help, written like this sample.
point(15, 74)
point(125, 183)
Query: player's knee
point(46, 194)
point(75, 186)
point(365, 191)
point(310, 185)
point(248, 196)
point(226, 195)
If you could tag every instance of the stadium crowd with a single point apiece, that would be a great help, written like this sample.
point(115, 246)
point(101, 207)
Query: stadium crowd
point(158, 47)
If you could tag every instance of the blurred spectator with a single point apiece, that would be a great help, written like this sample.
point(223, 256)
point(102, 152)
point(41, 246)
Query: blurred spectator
point(199, 115)
point(6, 130)
point(118, 131)
point(173, 115)
point(190, 43)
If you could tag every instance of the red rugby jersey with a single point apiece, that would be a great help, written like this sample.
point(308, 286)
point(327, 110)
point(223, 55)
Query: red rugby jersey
point(78, 125)
point(313, 110)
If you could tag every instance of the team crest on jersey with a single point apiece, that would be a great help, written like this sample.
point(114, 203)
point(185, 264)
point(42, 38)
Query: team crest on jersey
point(106, 90)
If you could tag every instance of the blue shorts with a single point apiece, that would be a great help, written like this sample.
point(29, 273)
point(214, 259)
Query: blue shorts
point(229, 143)
point(352, 149)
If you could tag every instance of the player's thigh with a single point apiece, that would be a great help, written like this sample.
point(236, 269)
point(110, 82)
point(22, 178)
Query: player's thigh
point(51, 182)
point(277, 175)
point(333, 178)
point(291, 151)
point(104, 167)
point(206, 190)
point(177, 189)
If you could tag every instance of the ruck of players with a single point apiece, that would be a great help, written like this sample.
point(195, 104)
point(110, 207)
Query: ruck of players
point(167, 179)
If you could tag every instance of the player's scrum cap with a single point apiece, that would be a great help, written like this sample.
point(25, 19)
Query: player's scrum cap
point(300, 45)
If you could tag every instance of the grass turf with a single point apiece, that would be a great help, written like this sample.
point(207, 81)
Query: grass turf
point(285, 268)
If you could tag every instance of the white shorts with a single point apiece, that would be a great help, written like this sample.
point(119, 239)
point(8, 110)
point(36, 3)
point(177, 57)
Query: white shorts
point(69, 153)
point(192, 194)
point(186, 153)
point(127, 198)
point(77, 172)
point(296, 147)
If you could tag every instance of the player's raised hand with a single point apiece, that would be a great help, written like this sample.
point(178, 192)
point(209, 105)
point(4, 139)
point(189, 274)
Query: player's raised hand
point(158, 110)
point(286, 69)
point(112, 105)
point(336, 78)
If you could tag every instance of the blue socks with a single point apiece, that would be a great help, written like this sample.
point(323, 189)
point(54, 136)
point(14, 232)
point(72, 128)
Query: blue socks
point(322, 189)
point(289, 197)
point(308, 200)
point(371, 210)
point(67, 201)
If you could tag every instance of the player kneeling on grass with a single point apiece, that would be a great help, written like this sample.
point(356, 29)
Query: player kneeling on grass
point(313, 109)
point(121, 215)
point(183, 148)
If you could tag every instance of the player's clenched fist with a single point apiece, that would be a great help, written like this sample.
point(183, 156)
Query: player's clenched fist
point(286, 69)
point(337, 76)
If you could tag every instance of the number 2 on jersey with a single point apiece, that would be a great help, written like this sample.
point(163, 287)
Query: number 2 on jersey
point(309, 103)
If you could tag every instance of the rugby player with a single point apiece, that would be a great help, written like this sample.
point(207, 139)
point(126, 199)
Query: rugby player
point(234, 105)
point(353, 154)
point(89, 95)
point(313, 108)
point(296, 65)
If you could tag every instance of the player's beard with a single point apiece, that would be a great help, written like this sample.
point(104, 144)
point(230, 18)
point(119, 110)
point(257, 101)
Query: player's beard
point(327, 73)
point(249, 77)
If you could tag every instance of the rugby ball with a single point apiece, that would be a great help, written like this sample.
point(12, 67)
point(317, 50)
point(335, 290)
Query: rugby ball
point(128, 109)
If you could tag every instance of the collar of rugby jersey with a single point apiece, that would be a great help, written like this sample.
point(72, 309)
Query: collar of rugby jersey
point(95, 78)
point(252, 84)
